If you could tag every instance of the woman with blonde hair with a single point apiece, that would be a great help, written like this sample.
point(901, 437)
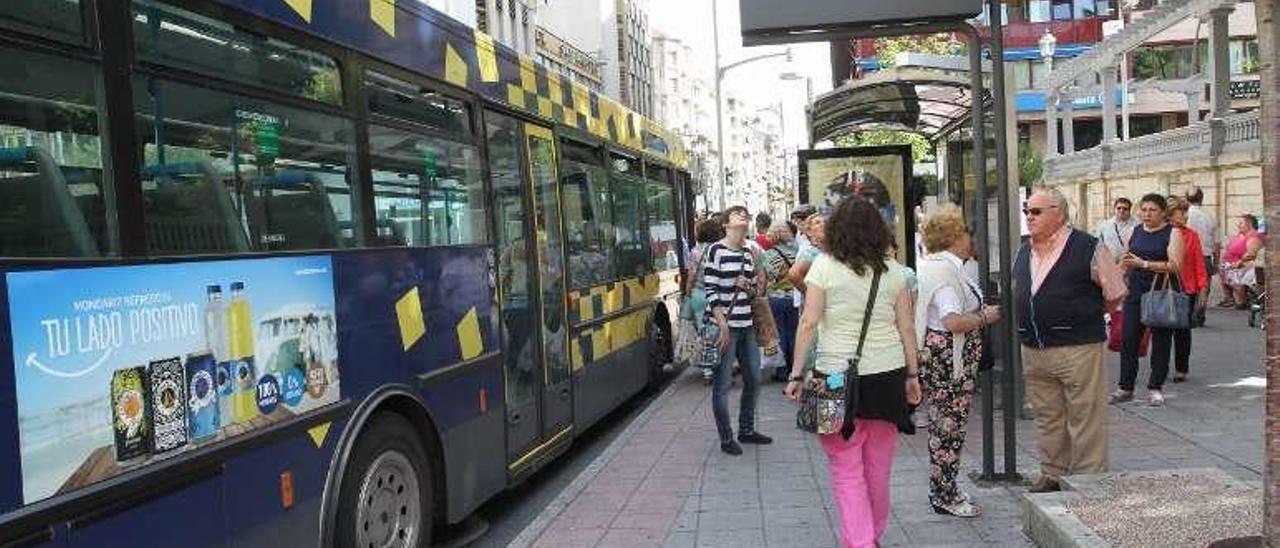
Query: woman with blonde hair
point(949, 320)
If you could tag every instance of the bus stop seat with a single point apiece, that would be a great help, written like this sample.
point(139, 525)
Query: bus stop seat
point(38, 215)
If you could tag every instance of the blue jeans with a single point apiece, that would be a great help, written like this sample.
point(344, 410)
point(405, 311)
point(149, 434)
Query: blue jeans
point(742, 345)
point(787, 316)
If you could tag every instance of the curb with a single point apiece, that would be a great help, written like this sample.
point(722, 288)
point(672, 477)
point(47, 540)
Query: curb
point(540, 523)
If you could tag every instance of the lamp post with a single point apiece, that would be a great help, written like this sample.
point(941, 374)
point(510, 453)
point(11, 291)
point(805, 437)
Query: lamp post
point(720, 72)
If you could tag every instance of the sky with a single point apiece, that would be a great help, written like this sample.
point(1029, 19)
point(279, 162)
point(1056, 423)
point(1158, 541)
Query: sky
point(757, 83)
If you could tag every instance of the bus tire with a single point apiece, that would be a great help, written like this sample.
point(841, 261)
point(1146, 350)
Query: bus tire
point(659, 349)
point(386, 496)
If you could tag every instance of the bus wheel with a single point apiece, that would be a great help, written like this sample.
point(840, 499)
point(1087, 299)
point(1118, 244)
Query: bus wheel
point(659, 351)
point(386, 490)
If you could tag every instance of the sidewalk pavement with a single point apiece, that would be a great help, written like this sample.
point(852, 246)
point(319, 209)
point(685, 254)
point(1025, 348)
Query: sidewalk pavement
point(664, 482)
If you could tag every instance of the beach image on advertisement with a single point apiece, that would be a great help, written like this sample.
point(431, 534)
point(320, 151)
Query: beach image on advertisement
point(119, 367)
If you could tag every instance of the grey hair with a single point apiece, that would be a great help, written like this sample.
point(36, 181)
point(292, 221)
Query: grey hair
point(1059, 200)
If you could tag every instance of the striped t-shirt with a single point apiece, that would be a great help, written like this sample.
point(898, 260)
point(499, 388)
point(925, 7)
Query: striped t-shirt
point(721, 268)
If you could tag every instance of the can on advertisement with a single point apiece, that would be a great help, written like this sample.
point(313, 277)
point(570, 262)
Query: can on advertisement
point(130, 413)
point(168, 404)
point(202, 396)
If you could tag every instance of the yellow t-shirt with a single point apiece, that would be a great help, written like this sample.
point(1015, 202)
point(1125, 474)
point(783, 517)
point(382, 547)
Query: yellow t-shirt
point(841, 323)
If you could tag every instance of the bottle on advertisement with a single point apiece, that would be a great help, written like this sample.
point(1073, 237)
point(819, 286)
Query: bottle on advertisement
point(215, 334)
point(244, 401)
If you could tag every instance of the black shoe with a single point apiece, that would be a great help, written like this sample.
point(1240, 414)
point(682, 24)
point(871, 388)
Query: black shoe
point(731, 447)
point(755, 437)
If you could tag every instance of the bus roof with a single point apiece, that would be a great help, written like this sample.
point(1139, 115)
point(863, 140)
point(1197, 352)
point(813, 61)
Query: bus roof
point(413, 35)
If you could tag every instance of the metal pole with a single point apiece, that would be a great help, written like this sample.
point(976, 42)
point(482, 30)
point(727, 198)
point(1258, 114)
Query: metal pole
point(980, 219)
point(1012, 361)
point(1124, 80)
point(715, 36)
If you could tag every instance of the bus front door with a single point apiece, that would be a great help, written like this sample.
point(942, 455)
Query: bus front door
point(530, 286)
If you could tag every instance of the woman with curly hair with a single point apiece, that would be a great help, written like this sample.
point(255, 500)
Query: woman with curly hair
point(949, 321)
point(855, 269)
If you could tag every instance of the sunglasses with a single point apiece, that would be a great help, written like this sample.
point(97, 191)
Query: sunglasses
point(1036, 211)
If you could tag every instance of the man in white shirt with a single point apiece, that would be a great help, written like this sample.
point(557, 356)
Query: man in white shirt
point(1115, 232)
point(1207, 229)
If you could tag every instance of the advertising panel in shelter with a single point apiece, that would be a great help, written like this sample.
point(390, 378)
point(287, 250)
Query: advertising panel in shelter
point(878, 174)
point(122, 366)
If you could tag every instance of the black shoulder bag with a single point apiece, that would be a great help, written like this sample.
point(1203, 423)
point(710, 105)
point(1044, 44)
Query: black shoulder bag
point(826, 410)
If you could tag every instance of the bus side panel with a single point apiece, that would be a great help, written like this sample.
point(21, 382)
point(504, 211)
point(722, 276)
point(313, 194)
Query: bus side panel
point(615, 357)
point(161, 522)
point(254, 487)
point(475, 447)
point(411, 317)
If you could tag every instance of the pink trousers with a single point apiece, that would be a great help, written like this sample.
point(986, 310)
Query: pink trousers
point(860, 470)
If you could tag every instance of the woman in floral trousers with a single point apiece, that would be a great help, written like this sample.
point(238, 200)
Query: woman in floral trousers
point(949, 321)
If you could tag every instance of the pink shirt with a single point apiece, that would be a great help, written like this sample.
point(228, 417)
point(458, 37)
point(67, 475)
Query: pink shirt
point(1105, 271)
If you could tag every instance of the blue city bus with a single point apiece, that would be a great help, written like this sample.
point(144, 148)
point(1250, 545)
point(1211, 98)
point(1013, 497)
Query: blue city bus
point(308, 272)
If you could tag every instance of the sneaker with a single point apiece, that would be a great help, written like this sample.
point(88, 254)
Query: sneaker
point(731, 447)
point(1155, 398)
point(962, 509)
point(755, 438)
point(1179, 377)
point(1121, 396)
point(1045, 484)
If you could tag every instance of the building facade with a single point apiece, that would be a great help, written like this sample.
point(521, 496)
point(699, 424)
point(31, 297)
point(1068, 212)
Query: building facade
point(510, 22)
point(684, 101)
point(631, 55)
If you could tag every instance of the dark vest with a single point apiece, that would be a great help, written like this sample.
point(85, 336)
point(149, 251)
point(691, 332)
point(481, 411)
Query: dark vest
point(1067, 310)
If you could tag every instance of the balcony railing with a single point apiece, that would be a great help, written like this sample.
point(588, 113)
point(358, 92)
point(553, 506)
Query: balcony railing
point(1198, 141)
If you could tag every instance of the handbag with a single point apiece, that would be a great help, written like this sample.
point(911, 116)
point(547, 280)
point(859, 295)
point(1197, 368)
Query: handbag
point(827, 410)
point(1166, 308)
point(1115, 334)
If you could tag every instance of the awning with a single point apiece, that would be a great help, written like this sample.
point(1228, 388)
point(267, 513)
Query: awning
point(924, 101)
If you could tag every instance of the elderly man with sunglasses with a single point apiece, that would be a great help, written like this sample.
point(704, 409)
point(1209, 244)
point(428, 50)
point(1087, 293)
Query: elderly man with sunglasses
point(1116, 231)
point(1063, 283)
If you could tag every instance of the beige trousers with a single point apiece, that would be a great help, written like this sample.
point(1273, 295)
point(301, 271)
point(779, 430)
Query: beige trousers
point(1066, 386)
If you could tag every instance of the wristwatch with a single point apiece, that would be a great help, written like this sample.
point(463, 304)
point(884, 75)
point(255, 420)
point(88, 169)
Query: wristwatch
point(795, 378)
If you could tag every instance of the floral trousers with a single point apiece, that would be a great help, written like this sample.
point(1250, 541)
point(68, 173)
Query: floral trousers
point(949, 400)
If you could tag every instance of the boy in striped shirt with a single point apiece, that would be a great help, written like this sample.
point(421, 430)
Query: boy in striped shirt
point(731, 277)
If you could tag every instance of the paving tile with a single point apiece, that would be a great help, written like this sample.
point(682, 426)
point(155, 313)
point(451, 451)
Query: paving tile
point(671, 486)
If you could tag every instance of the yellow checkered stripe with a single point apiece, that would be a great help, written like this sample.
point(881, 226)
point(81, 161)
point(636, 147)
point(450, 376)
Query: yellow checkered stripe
point(599, 301)
point(534, 89)
point(594, 344)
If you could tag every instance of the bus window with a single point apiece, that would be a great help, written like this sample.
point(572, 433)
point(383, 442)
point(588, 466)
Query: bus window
point(223, 173)
point(588, 218)
point(410, 169)
point(60, 20)
point(660, 209)
point(393, 98)
point(631, 249)
point(170, 36)
point(52, 186)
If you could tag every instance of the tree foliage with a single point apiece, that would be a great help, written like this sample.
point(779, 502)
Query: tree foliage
point(921, 148)
point(887, 49)
point(1030, 165)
